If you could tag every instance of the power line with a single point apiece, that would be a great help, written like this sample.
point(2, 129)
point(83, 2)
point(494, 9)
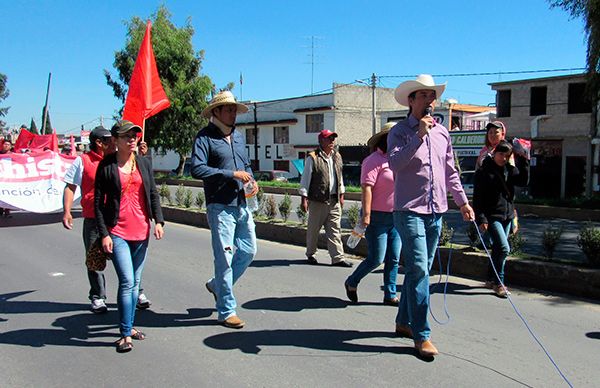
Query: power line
point(488, 73)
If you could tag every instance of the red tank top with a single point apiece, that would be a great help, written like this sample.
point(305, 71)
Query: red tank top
point(90, 162)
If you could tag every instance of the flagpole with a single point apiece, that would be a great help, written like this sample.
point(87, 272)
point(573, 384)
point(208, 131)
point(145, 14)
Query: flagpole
point(144, 129)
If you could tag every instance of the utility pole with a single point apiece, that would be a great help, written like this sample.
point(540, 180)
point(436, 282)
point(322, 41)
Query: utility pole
point(312, 64)
point(373, 95)
point(256, 166)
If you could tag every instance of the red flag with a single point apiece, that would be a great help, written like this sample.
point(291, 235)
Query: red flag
point(146, 96)
point(33, 142)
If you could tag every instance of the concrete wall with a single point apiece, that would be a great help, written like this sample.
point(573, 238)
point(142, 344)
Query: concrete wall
point(559, 124)
point(353, 118)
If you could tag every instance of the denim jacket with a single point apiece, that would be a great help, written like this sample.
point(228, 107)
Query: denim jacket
point(214, 160)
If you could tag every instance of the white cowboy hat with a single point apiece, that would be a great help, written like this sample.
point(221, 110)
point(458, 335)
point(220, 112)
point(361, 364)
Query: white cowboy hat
point(223, 98)
point(374, 140)
point(423, 82)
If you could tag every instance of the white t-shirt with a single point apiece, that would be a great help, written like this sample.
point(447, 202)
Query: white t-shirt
point(74, 174)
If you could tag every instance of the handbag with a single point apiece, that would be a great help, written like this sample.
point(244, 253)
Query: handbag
point(95, 258)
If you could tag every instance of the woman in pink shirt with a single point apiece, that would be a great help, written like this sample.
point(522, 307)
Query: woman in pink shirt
point(383, 241)
point(125, 202)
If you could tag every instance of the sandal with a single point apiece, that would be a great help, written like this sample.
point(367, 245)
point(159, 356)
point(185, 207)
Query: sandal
point(137, 335)
point(123, 346)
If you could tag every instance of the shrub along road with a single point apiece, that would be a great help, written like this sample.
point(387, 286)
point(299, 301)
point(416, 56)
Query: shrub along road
point(532, 228)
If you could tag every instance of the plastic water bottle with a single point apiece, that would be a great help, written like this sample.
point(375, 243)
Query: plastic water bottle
point(251, 200)
point(357, 233)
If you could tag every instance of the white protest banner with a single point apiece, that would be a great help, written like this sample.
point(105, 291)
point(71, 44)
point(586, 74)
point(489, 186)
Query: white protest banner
point(33, 181)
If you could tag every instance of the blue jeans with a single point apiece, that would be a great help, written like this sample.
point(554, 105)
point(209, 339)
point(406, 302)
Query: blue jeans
point(383, 243)
point(234, 247)
point(420, 234)
point(498, 232)
point(128, 259)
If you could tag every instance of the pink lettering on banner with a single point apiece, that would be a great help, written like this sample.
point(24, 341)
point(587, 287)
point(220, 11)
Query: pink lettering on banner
point(34, 166)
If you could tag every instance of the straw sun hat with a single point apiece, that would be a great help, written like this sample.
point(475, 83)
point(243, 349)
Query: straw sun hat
point(223, 98)
point(374, 140)
point(423, 82)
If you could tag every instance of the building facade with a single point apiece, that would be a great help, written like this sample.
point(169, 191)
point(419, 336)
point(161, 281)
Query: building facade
point(556, 115)
point(281, 132)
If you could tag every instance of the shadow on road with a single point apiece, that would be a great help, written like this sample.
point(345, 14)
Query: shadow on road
point(29, 219)
point(458, 289)
point(7, 306)
point(86, 328)
point(593, 335)
point(277, 263)
point(296, 303)
point(320, 339)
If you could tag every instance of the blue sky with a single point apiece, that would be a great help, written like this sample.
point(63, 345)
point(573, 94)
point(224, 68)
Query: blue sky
point(269, 42)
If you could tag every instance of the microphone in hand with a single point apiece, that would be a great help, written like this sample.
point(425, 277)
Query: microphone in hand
point(426, 122)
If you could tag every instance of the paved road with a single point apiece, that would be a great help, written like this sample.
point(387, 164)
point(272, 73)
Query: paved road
point(532, 229)
point(300, 331)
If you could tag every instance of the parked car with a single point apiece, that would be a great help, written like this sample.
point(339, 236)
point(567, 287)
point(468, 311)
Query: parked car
point(467, 179)
point(271, 175)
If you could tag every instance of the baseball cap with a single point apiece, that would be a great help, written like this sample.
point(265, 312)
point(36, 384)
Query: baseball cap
point(326, 133)
point(124, 126)
point(99, 133)
point(494, 124)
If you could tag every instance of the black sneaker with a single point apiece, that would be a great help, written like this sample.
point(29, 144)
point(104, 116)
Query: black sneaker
point(312, 260)
point(143, 303)
point(98, 306)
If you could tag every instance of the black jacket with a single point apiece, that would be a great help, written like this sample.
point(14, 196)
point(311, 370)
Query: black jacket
point(494, 189)
point(107, 192)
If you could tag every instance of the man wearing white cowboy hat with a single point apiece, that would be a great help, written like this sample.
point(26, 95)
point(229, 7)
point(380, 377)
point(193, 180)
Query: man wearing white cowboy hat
point(420, 154)
point(219, 159)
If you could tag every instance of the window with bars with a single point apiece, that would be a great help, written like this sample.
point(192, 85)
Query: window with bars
point(283, 165)
point(314, 123)
point(281, 135)
point(250, 135)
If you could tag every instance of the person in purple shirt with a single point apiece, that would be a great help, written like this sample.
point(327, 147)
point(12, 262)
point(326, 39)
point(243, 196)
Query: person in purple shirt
point(421, 157)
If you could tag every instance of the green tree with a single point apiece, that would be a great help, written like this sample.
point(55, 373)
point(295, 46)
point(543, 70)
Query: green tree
point(48, 128)
point(179, 69)
point(3, 95)
point(33, 127)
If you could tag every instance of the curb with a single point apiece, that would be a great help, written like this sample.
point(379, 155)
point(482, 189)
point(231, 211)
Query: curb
point(562, 278)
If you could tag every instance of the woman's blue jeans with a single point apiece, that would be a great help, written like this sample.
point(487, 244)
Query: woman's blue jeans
point(498, 232)
point(128, 259)
point(383, 244)
point(234, 247)
point(420, 234)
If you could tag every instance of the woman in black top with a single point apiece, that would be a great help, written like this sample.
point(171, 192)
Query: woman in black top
point(493, 202)
point(125, 203)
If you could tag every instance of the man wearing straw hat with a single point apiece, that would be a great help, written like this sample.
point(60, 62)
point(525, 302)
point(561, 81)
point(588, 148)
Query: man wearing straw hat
point(420, 154)
point(219, 159)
